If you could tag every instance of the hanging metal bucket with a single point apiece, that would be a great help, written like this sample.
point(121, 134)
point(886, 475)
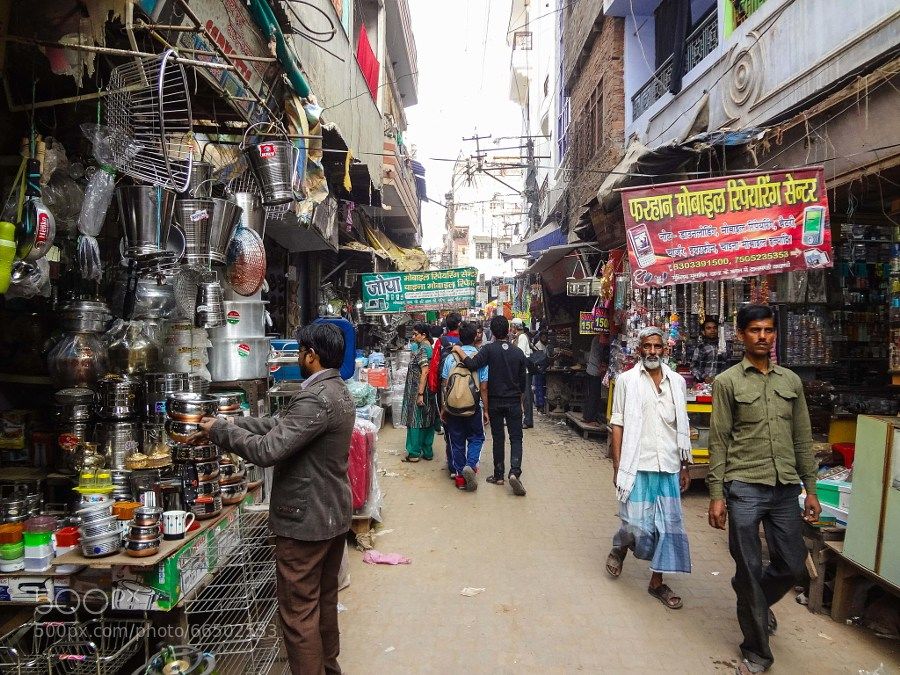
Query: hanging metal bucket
point(195, 217)
point(224, 221)
point(146, 212)
point(273, 163)
point(253, 215)
point(201, 180)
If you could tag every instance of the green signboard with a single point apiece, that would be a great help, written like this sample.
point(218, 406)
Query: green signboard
point(394, 292)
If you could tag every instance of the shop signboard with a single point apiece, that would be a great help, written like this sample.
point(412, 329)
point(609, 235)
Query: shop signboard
point(595, 322)
point(394, 292)
point(727, 228)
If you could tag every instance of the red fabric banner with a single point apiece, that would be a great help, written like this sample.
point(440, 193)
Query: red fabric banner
point(368, 64)
point(727, 228)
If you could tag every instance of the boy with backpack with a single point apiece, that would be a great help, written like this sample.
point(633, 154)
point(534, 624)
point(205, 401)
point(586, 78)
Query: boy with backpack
point(442, 347)
point(506, 388)
point(464, 410)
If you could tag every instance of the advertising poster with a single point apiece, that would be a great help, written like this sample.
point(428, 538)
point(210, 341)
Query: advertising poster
point(395, 292)
point(726, 228)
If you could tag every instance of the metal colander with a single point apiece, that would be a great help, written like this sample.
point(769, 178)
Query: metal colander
point(148, 111)
point(246, 267)
point(186, 283)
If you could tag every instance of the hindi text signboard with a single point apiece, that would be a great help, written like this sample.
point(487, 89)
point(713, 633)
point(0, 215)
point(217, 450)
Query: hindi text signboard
point(726, 228)
point(394, 292)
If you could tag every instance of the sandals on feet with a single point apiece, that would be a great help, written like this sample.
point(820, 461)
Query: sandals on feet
point(614, 562)
point(494, 480)
point(666, 596)
point(410, 459)
point(747, 667)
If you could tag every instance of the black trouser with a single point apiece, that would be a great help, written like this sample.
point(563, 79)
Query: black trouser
point(591, 410)
point(757, 589)
point(509, 412)
point(528, 412)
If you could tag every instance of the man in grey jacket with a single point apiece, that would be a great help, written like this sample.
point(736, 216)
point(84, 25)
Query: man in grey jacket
point(310, 508)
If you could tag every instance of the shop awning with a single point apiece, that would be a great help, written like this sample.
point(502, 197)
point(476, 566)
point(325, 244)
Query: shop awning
point(554, 255)
point(641, 164)
point(533, 246)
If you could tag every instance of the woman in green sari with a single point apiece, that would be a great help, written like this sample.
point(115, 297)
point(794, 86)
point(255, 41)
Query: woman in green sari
point(419, 404)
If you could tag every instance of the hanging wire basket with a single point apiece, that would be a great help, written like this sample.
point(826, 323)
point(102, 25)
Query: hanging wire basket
point(148, 112)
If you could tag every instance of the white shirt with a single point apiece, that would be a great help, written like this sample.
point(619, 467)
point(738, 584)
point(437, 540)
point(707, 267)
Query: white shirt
point(659, 438)
point(523, 344)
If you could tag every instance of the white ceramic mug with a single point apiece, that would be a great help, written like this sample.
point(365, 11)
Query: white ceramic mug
point(176, 523)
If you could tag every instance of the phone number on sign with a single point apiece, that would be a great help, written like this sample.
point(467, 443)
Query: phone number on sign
point(688, 264)
point(771, 255)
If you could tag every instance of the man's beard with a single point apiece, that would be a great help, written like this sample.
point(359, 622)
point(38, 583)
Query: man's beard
point(651, 362)
point(304, 373)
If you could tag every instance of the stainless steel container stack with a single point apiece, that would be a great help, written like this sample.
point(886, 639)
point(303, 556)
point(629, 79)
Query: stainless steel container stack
point(73, 415)
point(157, 387)
point(210, 305)
point(79, 358)
point(121, 479)
point(118, 407)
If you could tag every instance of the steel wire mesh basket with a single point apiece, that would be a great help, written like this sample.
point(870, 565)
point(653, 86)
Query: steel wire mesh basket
point(148, 112)
point(234, 615)
point(246, 268)
point(23, 651)
point(103, 647)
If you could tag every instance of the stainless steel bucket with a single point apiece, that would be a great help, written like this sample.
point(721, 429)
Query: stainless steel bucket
point(224, 221)
point(253, 215)
point(272, 163)
point(195, 216)
point(146, 212)
point(200, 184)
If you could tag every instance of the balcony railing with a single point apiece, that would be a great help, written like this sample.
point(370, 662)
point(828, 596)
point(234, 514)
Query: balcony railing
point(744, 8)
point(699, 44)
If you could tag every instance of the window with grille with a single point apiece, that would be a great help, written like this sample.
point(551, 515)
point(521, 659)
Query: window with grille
point(483, 251)
point(522, 40)
point(595, 120)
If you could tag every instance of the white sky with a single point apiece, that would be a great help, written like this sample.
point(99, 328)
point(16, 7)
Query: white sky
point(463, 86)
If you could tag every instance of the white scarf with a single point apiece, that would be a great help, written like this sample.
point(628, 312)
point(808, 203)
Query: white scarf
point(631, 432)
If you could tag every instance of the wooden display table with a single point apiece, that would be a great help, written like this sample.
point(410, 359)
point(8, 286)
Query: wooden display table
point(848, 576)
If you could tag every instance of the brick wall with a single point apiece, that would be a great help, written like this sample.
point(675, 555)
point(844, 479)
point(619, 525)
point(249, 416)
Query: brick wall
point(602, 62)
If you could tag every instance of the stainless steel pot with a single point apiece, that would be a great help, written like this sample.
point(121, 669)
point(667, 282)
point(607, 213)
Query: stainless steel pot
point(152, 299)
point(84, 316)
point(190, 407)
point(146, 212)
point(119, 440)
point(239, 359)
point(75, 404)
point(242, 319)
point(117, 397)
point(157, 387)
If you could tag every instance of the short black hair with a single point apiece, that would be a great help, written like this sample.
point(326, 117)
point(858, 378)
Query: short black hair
point(467, 333)
point(436, 331)
point(711, 320)
point(749, 313)
point(422, 328)
point(453, 321)
point(326, 340)
point(500, 327)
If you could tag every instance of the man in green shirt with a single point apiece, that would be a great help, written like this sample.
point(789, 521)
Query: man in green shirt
point(760, 450)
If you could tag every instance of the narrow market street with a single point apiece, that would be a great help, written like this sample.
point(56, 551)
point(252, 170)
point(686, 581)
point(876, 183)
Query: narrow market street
point(548, 605)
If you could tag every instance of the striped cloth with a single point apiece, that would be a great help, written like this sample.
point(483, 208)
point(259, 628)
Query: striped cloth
point(652, 523)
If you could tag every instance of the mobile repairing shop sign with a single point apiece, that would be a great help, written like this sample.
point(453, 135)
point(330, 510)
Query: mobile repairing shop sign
point(394, 292)
point(726, 228)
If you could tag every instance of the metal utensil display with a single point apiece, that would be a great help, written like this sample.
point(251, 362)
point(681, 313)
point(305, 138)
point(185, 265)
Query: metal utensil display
point(253, 215)
point(194, 217)
point(148, 111)
point(186, 282)
point(146, 212)
point(273, 163)
point(245, 269)
point(224, 221)
point(210, 307)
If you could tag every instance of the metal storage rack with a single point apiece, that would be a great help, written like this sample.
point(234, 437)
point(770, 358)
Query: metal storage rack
point(234, 615)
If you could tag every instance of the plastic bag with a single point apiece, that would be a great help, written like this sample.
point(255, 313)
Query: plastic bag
point(363, 394)
point(363, 471)
point(88, 256)
point(33, 284)
point(97, 198)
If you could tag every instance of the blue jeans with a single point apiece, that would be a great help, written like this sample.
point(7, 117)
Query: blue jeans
point(758, 588)
point(540, 389)
point(466, 435)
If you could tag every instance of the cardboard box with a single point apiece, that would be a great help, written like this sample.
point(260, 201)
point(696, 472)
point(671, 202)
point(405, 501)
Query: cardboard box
point(31, 589)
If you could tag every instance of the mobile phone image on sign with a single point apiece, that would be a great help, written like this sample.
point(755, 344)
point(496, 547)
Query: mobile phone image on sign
point(640, 244)
point(815, 258)
point(813, 225)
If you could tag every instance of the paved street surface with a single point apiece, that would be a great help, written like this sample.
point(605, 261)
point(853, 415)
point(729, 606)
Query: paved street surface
point(549, 605)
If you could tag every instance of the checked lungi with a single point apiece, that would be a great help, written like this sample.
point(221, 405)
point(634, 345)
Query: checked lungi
point(653, 524)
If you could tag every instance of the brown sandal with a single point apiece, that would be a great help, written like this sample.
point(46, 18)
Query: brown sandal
point(666, 596)
point(614, 562)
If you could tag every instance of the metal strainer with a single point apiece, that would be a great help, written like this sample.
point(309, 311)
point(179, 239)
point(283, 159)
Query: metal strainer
point(185, 283)
point(246, 268)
